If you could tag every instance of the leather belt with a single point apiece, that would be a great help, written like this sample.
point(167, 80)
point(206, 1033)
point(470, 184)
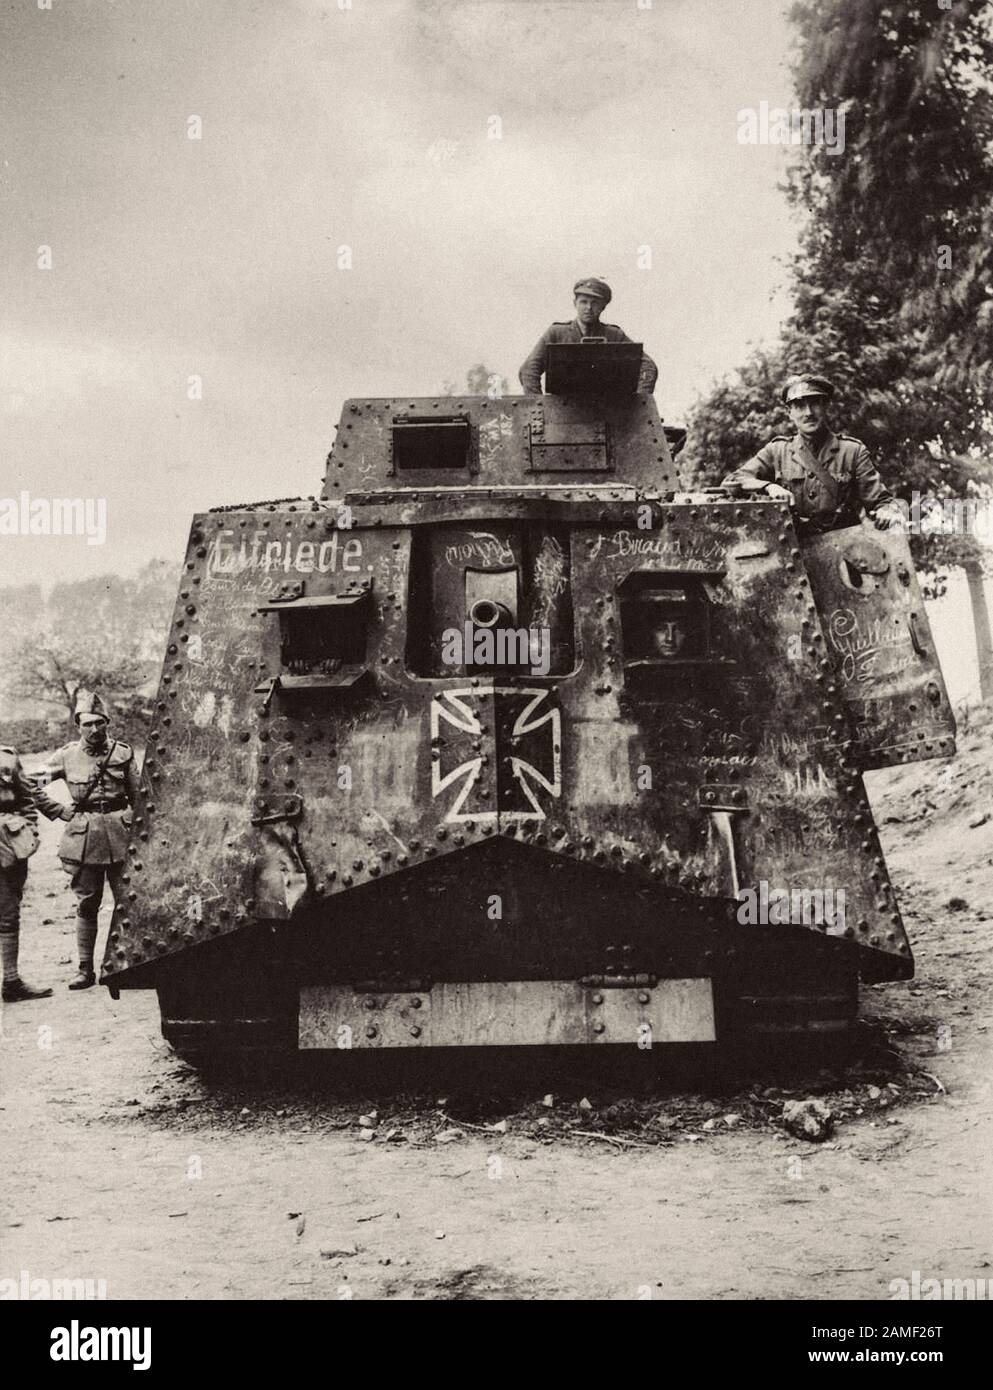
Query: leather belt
point(103, 805)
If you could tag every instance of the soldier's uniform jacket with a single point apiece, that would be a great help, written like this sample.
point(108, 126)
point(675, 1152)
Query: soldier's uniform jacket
point(98, 834)
point(828, 486)
point(573, 332)
point(18, 810)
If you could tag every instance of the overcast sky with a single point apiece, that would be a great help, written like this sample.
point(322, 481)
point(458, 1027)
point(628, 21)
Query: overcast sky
point(367, 127)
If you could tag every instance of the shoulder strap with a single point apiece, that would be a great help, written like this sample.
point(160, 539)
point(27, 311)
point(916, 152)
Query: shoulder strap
point(811, 461)
point(81, 803)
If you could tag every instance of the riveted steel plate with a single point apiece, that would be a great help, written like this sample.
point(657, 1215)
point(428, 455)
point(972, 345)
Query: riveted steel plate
point(569, 458)
point(880, 644)
point(506, 1014)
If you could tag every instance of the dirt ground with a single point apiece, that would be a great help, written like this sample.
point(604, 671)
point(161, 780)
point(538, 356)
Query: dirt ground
point(121, 1164)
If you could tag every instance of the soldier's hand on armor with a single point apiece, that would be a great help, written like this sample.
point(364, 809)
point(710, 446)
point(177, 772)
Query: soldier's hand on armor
point(778, 493)
point(890, 519)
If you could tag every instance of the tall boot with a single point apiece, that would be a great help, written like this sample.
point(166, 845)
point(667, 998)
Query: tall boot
point(8, 953)
point(14, 988)
point(86, 940)
point(11, 887)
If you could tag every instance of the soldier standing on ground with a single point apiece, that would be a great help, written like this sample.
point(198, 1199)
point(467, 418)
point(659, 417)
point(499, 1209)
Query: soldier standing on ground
point(102, 781)
point(826, 477)
point(18, 841)
point(590, 296)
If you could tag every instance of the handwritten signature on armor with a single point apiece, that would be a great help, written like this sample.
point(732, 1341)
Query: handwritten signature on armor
point(688, 554)
point(484, 547)
point(862, 645)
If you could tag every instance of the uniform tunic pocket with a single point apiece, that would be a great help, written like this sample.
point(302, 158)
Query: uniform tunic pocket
point(18, 839)
point(73, 846)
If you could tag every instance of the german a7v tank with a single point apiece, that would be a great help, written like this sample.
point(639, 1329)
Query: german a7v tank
point(506, 740)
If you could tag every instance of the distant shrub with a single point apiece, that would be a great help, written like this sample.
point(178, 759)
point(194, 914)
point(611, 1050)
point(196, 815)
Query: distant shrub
point(129, 723)
point(34, 735)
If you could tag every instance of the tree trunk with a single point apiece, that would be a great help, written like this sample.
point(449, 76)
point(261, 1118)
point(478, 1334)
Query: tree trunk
point(981, 622)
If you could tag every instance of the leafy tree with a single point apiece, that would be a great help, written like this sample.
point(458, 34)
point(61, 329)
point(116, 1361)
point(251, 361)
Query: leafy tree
point(896, 258)
point(892, 284)
point(910, 200)
point(22, 607)
point(21, 602)
point(479, 381)
point(103, 634)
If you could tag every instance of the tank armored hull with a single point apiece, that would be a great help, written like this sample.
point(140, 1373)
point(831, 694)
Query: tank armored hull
point(507, 741)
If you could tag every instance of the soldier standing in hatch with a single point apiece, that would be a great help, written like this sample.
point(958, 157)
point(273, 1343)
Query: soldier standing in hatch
point(591, 297)
point(103, 784)
point(18, 841)
point(826, 477)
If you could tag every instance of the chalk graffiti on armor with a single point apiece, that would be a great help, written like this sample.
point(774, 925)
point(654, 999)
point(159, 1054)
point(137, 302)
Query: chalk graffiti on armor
point(808, 779)
point(483, 547)
point(493, 432)
point(862, 647)
point(550, 580)
point(259, 552)
point(689, 554)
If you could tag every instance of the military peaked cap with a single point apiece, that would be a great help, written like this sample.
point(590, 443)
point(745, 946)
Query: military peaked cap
point(799, 386)
point(591, 285)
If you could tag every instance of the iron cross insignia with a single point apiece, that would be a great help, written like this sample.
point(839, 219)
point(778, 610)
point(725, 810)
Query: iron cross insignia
point(498, 749)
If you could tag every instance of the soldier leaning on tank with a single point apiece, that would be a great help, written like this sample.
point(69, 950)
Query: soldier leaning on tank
point(102, 781)
point(18, 841)
point(590, 296)
point(826, 477)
